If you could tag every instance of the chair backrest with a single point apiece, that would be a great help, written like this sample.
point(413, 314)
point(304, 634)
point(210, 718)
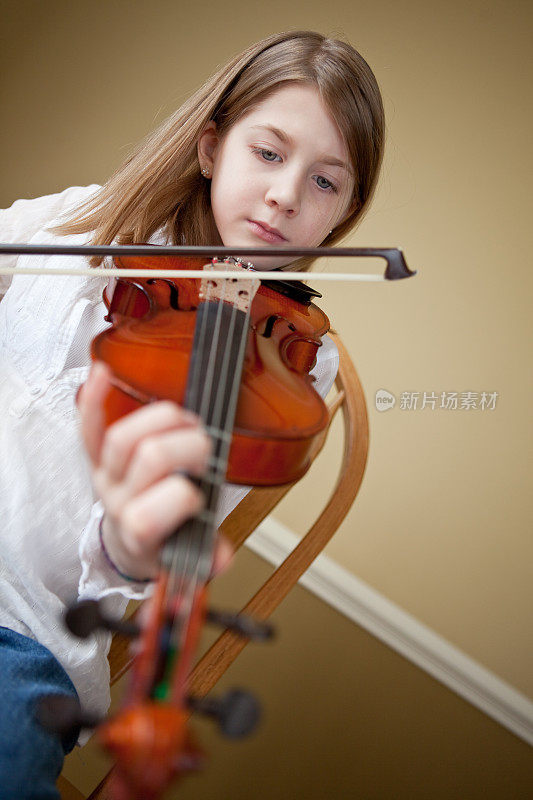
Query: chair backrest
point(246, 517)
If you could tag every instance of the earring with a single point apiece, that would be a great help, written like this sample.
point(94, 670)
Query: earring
point(331, 231)
point(205, 172)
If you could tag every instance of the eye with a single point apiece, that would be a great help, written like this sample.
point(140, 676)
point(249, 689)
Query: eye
point(269, 155)
point(266, 155)
point(323, 183)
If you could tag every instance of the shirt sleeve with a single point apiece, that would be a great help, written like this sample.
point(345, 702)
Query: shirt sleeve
point(327, 365)
point(98, 578)
point(21, 221)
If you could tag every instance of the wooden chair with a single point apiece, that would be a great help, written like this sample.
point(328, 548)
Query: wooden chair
point(245, 518)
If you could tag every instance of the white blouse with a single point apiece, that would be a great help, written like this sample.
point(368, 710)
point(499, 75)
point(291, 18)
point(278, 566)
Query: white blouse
point(50, 553)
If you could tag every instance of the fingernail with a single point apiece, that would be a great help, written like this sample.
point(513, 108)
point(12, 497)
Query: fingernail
point(190, 416)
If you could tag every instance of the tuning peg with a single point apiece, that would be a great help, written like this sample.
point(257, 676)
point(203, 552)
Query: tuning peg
point(237, 712)
point(258, 630)
point(62, 714)
point(86, 616)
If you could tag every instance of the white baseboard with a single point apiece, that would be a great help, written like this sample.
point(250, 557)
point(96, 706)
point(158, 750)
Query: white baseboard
point(404, 633)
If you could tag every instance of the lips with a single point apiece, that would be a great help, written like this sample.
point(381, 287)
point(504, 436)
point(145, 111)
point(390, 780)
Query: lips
point(265, 232)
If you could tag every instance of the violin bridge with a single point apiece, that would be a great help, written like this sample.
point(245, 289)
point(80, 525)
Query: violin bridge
point(229, 290)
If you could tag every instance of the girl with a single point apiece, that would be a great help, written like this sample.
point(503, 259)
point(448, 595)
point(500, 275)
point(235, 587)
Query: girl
point(283, 145)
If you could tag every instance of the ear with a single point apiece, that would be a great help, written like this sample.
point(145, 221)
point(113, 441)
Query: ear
point(207, 145)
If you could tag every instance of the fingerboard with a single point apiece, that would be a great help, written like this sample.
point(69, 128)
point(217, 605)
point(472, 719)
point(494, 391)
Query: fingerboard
point(212, 391)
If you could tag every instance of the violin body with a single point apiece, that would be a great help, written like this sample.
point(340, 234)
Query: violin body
point(279, 414)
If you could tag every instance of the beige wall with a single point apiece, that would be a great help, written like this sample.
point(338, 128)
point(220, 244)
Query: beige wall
point(442, 525)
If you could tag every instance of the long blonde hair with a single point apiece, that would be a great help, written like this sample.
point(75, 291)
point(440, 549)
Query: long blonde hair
point(160, 185)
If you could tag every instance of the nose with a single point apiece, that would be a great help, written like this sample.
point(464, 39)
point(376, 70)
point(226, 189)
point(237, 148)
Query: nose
point(284, 192)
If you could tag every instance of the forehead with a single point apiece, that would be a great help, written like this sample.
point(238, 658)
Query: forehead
point(298, 111)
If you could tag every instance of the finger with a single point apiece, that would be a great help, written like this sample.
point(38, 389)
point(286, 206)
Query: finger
point(149, 518)
point(90, 404)
point(125, 435)
point(144, 612)
point(223, 555)
point(186, 450)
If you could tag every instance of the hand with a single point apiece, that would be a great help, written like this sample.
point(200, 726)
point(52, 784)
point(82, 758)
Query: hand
point(135, 465)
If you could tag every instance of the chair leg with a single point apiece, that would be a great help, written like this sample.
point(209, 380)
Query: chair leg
point(67, 790)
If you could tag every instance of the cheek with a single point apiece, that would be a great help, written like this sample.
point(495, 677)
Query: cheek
point(230, 166)
point(319, 221)
point(231, 193)
point(335, 212)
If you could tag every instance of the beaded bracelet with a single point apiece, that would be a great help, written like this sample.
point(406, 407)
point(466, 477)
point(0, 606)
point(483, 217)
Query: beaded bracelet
point(112, 563)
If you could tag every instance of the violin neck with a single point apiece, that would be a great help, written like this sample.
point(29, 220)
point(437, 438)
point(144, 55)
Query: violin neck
point(212, 392)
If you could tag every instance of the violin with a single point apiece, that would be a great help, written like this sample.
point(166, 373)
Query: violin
point(238, 353)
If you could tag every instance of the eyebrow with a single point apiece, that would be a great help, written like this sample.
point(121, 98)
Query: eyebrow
point(329, 160)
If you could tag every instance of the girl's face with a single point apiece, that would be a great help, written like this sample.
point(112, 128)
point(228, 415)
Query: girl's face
point(280, 176)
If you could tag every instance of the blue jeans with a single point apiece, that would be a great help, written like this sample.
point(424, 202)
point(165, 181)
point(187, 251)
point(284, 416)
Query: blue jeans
point(31, 758)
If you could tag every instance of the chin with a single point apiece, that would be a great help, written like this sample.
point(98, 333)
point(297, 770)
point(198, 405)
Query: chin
point(264, 263)
point(267, 262)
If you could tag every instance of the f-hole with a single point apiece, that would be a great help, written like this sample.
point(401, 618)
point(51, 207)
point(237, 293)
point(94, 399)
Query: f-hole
point(269, 327)
point(172, 288)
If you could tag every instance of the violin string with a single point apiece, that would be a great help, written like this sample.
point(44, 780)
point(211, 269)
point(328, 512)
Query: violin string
point(180, 548)
point(197, 526)
point(205, 528)
point(178, 576)
point(182, 584)
point(200, 526)
point(181, 575)
point(213, 412)
point(223, 411)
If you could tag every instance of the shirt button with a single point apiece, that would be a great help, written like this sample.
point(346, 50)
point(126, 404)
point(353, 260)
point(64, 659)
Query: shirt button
point(35, 390)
